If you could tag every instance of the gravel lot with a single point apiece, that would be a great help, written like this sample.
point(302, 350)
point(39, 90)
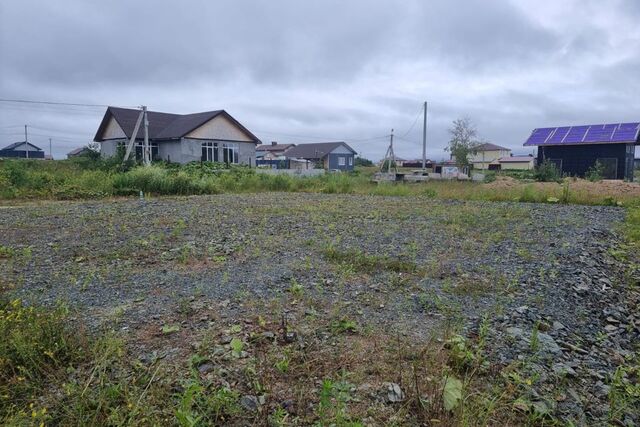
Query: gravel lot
point(408, 265)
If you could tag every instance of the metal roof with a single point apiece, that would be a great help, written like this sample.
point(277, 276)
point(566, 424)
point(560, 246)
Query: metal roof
point(17, 144)
point(616, 133)
point(487, 146)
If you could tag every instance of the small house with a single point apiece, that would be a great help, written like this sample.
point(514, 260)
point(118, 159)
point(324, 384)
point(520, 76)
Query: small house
point(486, 153)
point(514, 163)
point(576, 149)
point(336, 156)
point(22, 150)
point(79, 152)
point(211, 136)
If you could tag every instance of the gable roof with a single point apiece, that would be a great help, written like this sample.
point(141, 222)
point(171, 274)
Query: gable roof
point(612, 133)
point(274, 147)
point(316, 150)
point(164, 125)
point(17, 144)
point(487, 146)
point(77, 151)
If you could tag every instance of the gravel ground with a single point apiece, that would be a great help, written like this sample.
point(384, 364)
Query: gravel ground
point(517, 265)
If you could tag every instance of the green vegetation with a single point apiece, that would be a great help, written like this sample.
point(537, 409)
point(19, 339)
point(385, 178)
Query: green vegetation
point(547, 172)
point(88, 178)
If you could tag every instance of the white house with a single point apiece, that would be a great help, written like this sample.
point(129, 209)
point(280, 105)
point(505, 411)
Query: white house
point(487, 153)
point(209, 136)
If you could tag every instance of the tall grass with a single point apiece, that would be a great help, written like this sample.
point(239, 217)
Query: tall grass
point(84, 179)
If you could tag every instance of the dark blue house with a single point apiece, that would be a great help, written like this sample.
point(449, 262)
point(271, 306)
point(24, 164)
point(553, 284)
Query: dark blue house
point(576, 149)
point(19, 150)
point(336, 156)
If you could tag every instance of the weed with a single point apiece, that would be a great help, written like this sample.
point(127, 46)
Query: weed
point(343, 325)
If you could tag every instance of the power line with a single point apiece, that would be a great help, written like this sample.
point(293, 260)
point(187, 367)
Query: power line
point(414, 122)
point(27, 101)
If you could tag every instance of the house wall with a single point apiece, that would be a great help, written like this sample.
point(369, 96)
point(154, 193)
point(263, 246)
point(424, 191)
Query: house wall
point(577, 159)
point(517, 166)
point(113, 130)
point(481, 159)
point(191, 151)
point(110, 148)
point(33, 154)
point(334, 163)
point(220, 128)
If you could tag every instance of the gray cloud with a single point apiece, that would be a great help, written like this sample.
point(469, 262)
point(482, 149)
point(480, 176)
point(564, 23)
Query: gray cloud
point(326, 69)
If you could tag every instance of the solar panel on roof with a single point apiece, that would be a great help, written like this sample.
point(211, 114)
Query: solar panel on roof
point(588, 134)
point(626, 132)
point(576, 134)
point(558, 135)
point(597, 133)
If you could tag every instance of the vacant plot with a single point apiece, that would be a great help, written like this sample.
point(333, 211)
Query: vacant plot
point(295, 309)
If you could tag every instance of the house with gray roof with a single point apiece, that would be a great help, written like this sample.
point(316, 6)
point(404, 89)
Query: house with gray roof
point(332, 155)
point(23, 150)
point(213, 136)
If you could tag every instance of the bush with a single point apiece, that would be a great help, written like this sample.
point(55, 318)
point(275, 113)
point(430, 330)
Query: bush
point(595, 172)
point(489, 176)
point(547, 172)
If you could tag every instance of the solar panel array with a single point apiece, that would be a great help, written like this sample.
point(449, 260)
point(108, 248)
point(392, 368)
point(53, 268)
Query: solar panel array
point(588, 134)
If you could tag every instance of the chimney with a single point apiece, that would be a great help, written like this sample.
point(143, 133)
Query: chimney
point(274, 142)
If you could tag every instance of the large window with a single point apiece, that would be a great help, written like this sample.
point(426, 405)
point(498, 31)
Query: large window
point(210, 152)
point(230, 152)
point(341, 161)
point(153, 146)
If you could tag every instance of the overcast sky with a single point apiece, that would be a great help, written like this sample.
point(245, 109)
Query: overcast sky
point(308, 71)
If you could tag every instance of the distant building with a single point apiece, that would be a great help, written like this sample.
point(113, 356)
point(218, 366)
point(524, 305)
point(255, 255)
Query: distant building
point(514, 163)
point(487, 153)
point(77, 152)
point(212, 136)
point(272, 151)
point(22, 150)
point(332, 155)
point(576, 149)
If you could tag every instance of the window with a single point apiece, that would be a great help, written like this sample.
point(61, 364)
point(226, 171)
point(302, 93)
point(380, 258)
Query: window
point(350, 161)
point(341, 161)
point(153, 146)
point(230, 152)
point(209, 152)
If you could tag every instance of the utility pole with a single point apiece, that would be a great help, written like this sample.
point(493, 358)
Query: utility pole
point(147, 154)
point(133, 135)
point(50, 153)
point(424, 138)
point(26, 141)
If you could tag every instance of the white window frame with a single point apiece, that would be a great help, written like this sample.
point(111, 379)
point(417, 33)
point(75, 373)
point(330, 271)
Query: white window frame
point(140, 145)
point(230, 151)
point(211, 150)
point(342, 161)
point(350, 161)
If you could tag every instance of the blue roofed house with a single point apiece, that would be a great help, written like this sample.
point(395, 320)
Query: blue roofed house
point(576, 149)
point(333, 156)
point(23, 150)
point(213, 136)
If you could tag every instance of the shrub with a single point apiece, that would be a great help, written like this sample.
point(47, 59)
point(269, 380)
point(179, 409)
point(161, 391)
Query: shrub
point(595, 172)
point(547, 172)
point(490, 176)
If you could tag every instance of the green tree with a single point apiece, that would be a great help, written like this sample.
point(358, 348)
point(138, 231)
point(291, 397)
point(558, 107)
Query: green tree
point(464, 139)
point(361, 161)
